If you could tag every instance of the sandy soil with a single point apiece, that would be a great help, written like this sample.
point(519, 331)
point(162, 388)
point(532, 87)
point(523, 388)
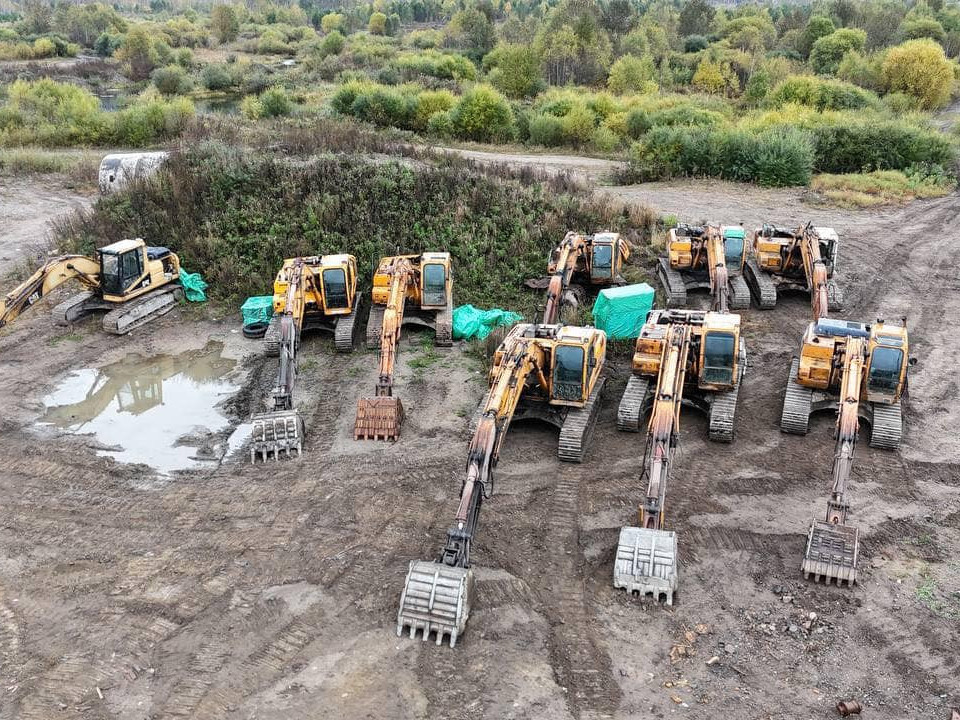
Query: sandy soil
point(271, 591)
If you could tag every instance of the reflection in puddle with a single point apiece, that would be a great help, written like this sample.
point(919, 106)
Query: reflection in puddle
point(159, 411)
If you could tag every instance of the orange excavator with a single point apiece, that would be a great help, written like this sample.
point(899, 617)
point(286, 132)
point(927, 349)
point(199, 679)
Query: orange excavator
point(415, 289)
point(548, 372)
point(709, 257)
point(697, 358)
point(861, 370)
point(581, 260)
point(802, 259)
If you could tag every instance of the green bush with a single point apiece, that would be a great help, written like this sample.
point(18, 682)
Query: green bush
point(49, 113)
point(822, 94)
point(604, 139)
point(774, 157)
point(171, 80)
point(383, 106)
point(217, 77)
point(229, 211)
point(484, 115)
point(440, 125)
point(847, 147)
point(251, 108)
point(631, 74)
point(430, 103)
point(151, 119)
point(545, 129)
point(578, 125)
point(255, 81)
point(332, 44)
point(275, 102)
point(828, 51)
point(920, 68)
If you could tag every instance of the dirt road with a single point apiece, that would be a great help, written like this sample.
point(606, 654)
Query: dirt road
point(271, 591)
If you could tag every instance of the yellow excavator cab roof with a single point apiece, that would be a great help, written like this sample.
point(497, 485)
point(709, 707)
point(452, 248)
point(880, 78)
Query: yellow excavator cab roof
point(435, 256)
point(606, 237)
point(721, 321)
point(577, 334)
point(122, 246)
point(826, 233)
point(335, 260)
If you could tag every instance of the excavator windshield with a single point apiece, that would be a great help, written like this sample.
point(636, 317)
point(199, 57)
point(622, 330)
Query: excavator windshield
point(118, 271)
point(434, 284)
point(718, 357)
point(733, 247)
point(335, 288)
point(602, 262)
point(568, 373)
point(885, 366)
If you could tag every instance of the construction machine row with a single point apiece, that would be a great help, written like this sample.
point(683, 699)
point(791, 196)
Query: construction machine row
point(554, 371)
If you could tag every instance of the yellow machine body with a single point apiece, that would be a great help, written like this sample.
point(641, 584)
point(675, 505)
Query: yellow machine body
point(433, 288)
point(329, 285)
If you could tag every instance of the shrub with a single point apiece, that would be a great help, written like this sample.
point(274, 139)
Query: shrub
point(821, 94)
point(638, 123)
point(757, 87)
point(845, 147)
point(255, 81)
point(377, 24)
point(184, 58)
point(141, 54)
point(919, 68)
point(345, 95)
point(332, 22)
point(604, 139)
point(483, 114)
point(275, 102)
point(922, 27)
point(152, 119)
point(546, 130)
point(709, 77)
point(632, 74)
point(217, 77)
point(251, 108)
point(224, 23)
point(828, 51)
point(43, 48)
point(774, 157)
point(695, 43)
point(171, 80)
point(425, 39)
point(578, 125)
point(860, 70)
point(383, 106)
point(900, 103)
point(273, 42)
point(333, 43)
point(440, 125)
point(430, 103)
point(51, 113)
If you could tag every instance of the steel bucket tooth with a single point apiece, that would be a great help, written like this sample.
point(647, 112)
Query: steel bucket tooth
point(832, 553)
point(378, 418)
point(646, 563)
point(436, 598)
point(276, 432)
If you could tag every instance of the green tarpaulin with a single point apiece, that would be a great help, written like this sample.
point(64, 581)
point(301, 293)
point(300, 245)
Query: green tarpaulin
point(256, 309)
point(620, 311)
point(193, 286)
point(471, 323)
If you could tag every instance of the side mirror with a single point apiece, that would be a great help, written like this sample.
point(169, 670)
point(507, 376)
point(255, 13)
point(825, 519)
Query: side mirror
point(912, 361)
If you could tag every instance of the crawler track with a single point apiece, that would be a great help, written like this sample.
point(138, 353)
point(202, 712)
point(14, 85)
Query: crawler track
point(887, 426)
point(630, 410)
point(578, 426)
point(673, 285)
point(797, 404)
point(761, 285)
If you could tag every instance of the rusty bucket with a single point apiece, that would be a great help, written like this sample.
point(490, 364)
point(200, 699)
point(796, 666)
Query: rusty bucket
point(378, 418)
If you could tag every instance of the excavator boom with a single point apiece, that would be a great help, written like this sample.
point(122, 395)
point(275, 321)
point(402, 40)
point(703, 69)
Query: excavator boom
point(833, 547)
point(646, 560)
point(49, 276)
point(380, 417)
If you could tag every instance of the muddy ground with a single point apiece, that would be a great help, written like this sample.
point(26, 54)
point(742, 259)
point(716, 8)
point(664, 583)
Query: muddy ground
point(271, 591)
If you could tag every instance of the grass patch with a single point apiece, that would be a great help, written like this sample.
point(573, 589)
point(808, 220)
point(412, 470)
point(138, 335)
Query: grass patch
point(80, 165)
point(71, 336)
point(938, 600)
point(880, 187)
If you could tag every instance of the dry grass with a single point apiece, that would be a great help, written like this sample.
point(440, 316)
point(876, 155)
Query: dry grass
point(80, 166)
point(881, 187)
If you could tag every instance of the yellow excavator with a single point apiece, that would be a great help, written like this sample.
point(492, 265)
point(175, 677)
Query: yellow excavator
point(802, 259)
point(132, 282)
point(550, 372)
point(705, 257)
point(697, 357)
point(309, 293)
point(580, 260)
point(407, 289)
point(713, 372)
point(861, 370)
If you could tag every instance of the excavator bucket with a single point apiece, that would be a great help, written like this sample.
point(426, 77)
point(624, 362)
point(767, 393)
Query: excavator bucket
point(274, 432)
point(646, 562)
point(436, 598)
point(832, 553)
point(378, 418)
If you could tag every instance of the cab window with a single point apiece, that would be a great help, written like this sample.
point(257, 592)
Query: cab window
point(718, 356)
point(568, 373)
point(733, 250)
point(434, 284)
point(602, 261)
point(885, 370)
point(110, 273)
point(335, 288)
point(131, 267)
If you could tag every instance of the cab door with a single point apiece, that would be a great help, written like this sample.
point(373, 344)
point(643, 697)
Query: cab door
point(733, 243)
point(601, 265)
point(568, 373)
point(434, 284)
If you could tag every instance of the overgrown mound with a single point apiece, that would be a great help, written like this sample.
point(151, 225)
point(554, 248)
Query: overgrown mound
point(234, 214)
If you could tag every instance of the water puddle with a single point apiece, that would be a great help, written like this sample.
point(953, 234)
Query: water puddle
point(160, 411)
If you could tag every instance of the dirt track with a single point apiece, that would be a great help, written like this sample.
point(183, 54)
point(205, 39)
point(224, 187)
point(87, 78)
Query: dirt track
point(271, 591)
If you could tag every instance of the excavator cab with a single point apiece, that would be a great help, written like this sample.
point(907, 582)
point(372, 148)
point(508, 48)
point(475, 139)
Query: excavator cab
point(829, 247)
point(338, 283)
point(734, 247)
point(721, 352)
point(605, 257)
point(886, 374)
point(435, 280)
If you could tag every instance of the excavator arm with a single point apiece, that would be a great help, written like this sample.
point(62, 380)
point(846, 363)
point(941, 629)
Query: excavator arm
point(381, 416)
point(561, 273)
point(717, 265)
point(833, 546)
point(815, 270)
point(49, 276)
point(436, 595)
point(646, 560)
